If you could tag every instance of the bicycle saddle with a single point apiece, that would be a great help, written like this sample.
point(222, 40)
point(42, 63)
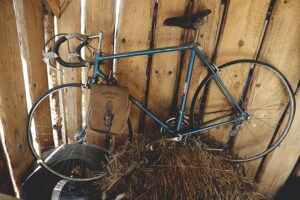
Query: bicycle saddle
point(187, 21)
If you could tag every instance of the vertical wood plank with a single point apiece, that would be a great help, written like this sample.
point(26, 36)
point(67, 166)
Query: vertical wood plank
point(207, 38)
point(100, 16)
point(5, 179)
point(54, 6)
point(280, 163)
point(164, 69)
point(12, 94)
point(134, 31)
point(280, 49)
point(69, 22)
point(29, 15)
point(240, 39)
point(53, 78)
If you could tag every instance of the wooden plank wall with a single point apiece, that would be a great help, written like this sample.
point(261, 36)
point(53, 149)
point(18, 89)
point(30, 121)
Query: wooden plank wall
point(70, 23)
point(233, 31)
point(29, 15)
point(132, 72)
point(240, 40)
point(164, 67)
point(12, 95)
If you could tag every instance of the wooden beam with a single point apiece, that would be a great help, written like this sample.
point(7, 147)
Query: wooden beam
point(29, 17)
point(131, 72)
point(12, 95)
point(53, 76)
point(70, 23)
point(165, 67)
point(6, 197)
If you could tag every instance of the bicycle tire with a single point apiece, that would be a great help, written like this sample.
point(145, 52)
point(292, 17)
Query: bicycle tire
point(254, 82)
point(49, 157)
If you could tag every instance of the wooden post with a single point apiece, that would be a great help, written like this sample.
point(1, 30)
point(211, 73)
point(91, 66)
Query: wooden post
point(12, 95)
point(165, 67)
point(133, 34)
point(53, 77)
point(29, 15)
point(69, 22)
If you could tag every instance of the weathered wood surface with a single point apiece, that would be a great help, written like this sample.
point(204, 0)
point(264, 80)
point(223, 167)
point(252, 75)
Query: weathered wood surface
point(6, 197)
point(280, 163)
point(134, 32)
point(5, 179)
point(100, 17)
point(207, 38)
point(29, 15)
point(54, 6)
point(240, 39)
point(12, 99)
point(283, 54)
point(70, 23)
point(53, 76)
point(165, 67)
point(281, 49)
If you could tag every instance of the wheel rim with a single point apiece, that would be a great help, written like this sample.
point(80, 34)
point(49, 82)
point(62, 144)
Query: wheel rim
point(283, 105)
point(78, 159)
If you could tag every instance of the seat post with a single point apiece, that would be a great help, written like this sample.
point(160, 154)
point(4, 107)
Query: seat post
point(196, 36)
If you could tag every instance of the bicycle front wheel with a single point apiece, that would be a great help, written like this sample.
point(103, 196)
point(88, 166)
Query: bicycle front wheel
point(59, 138)
point(263, 92)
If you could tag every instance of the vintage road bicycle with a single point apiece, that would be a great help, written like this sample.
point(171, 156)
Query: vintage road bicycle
point(247, 104)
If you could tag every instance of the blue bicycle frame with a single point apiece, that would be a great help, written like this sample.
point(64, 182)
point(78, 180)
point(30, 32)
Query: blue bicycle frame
point(194, 53)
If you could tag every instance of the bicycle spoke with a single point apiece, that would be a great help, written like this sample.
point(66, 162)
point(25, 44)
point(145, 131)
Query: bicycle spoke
point(250, 82)
point(263, 122)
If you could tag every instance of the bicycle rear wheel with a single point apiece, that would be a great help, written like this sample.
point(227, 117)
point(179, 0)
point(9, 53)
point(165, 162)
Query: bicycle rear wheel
point(263, 92)
point(64, 144)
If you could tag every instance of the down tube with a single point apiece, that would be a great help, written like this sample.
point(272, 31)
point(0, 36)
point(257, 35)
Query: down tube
point(140, 106)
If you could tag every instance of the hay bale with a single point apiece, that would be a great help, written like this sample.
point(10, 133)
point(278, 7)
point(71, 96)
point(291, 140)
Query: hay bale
point(178, 170)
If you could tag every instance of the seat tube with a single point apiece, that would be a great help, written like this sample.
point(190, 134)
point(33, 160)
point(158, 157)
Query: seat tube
point(186, 88)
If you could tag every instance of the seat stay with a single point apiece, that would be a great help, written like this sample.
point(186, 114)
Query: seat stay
point(221, 85)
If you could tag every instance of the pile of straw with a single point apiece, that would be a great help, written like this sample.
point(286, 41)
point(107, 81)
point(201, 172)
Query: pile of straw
point(178, 170)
